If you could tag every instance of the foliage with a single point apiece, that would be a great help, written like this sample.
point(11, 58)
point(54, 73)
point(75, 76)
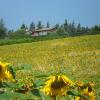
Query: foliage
point(23, 27)
point(32, 26)
point(2, 29)
point(48, 24)
point(39, 25)
point(95, 29)
point(28, 39)
point(21, 33)
point(61, 31)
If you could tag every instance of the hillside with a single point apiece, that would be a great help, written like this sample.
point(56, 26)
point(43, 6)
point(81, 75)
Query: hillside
point(79, 56)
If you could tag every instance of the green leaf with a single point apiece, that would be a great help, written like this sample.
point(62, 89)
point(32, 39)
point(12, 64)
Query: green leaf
point(39, 76)
point(36, 92)
point(35, 96)
point(39, 82)
point(4, 96)
point(8, 96)
point(75, 93)
point(10, 85)
point(12, 71)
point(1, 84)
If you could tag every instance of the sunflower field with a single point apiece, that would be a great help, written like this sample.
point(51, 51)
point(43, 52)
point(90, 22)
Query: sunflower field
point(60, 69)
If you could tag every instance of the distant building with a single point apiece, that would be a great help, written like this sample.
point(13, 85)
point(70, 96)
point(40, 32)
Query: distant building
point(43, 31)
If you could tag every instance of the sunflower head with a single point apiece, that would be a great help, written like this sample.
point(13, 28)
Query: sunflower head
point(87, 90)
point(92, 95)
point(91, 83)
point(57, 85)
point(4, 72)
point(79, 83)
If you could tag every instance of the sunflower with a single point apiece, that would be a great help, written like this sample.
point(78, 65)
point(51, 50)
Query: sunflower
point(79, 83)
point(4, 72)
point(86, 90)
point(57, 85)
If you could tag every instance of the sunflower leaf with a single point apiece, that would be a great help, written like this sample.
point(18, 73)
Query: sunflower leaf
point(75, 93)
point(8, 96)
point(39, 76)
point(10, 85)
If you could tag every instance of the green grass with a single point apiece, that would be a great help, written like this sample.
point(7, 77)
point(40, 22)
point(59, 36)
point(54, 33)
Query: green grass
point(78, 56)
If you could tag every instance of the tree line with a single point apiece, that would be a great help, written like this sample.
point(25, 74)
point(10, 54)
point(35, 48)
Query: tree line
point(66, 29)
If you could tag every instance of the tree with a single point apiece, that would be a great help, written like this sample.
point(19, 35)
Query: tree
point(2, 29)
point(69, 27)
point(32, 27)
point(23, 26)
point(48, 24)
point(84, 30)
point(66, 25)
point(73, 27)
point(57, 26)
point(18, 34)
point(95, 29)
point(39, 25)
point(61, 31)
point(9, 33)
point(79, 27)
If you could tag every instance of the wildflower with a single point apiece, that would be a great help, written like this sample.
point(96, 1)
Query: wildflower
point(4, 72)
point(57, 85)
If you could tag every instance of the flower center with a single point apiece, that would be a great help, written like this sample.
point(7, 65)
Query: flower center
point(57, 84)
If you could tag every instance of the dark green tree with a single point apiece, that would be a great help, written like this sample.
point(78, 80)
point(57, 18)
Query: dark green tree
point(84, 30)
point(61, 31)
point(39, 25)
point(32, 26)
point(78, 28)
point(23, 26)
point(2, 29)
point(73, 27)
point(69, 27)
point(66, 25)
point(87, 29)
point(95, 29)
point(48, 24)
point(18, 34)
point(9, 33)
point(57, 26)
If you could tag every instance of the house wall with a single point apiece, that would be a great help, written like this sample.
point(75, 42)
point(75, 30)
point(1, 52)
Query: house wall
point(42, 33)
point(36, 34)
point(39, 33)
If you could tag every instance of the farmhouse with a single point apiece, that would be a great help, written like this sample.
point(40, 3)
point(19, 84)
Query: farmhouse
point(43, 31)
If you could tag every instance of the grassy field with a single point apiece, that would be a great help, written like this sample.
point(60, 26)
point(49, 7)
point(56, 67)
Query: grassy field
point(78, 56)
